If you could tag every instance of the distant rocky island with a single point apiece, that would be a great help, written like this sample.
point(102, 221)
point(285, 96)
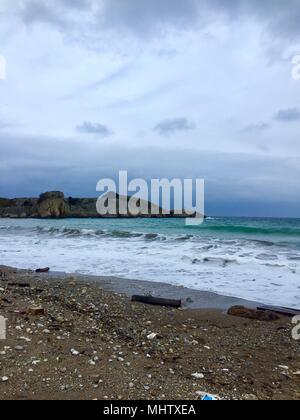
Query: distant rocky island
point(54, 204)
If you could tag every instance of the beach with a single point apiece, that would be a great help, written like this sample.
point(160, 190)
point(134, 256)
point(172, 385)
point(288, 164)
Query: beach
point(149, 202)
point(78, 337)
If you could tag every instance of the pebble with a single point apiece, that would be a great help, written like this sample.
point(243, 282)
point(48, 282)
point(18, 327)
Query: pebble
point(19, 348)
point(27, 340)
point(152, 336)
point(198, 375)
point(36, 311)
point(250, 397)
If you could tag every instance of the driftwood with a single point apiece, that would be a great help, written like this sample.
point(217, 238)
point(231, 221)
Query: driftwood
point(22, 285)
point(151, 300)
point(43, 270)
point(280, 310)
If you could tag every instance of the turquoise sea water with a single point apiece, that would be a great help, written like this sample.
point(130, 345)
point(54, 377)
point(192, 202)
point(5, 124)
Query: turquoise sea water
point(251, 258)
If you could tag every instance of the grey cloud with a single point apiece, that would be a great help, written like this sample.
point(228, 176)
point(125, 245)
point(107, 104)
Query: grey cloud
point(76, 4)
point(155, 17)
point(94, 128)
point(54, 14)
point(281, 18)
point(144, 16)
point(35, 11)
point(257, 128)
point(288, 115)
point(172, 126)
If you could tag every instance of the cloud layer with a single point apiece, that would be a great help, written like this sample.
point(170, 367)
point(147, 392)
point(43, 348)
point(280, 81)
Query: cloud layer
point(144, 17)
point(206, 83)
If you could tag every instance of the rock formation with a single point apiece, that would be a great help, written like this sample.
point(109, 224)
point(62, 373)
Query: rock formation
point(53, 204)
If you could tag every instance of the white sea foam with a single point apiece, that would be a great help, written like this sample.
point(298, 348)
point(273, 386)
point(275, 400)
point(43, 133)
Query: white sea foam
point(241, 267)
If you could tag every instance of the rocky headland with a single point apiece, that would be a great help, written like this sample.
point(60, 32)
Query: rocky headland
point(54, 204)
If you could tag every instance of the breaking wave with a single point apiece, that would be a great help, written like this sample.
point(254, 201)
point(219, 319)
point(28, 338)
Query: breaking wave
point(249, 258)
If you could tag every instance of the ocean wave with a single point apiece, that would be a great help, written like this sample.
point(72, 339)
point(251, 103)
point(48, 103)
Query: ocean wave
point(84, 232)
point(93, 233)
point(252, 230)
point(211, 235)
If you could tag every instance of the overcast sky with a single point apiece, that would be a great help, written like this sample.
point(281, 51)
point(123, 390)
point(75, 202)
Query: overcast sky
point(174, 88)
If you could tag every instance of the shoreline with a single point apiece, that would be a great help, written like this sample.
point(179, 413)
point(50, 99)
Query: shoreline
point(72, 337)
point(191, 298)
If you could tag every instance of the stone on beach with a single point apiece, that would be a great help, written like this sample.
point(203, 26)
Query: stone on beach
point(19, 348)
point(251, 397)
point(198, 375)
point(36, 311)
point(152, 336)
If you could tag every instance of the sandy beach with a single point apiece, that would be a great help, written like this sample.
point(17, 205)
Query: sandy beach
point(79, 337)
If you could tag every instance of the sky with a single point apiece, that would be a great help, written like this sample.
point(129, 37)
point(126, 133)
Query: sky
point(160, 88)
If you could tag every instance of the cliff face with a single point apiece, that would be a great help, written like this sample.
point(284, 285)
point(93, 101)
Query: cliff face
point(55, 205)
point(48, 205)
point(19, 207)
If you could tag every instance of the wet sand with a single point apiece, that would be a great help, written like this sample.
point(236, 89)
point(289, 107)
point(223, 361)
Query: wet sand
point(191, 299)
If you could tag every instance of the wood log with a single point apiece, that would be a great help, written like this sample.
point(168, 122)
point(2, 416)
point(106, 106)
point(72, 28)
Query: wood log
point(151, 300)
point(43, 270)
point(22, 285)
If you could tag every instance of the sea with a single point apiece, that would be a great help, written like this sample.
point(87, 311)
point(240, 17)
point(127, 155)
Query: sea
point(251, 258)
